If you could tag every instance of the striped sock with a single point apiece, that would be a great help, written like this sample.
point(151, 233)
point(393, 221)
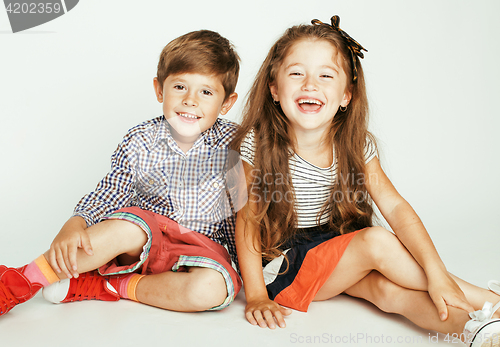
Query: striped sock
point(125, 286)
point(40, 271)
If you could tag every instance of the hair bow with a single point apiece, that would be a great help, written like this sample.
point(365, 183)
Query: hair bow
point(353, 45)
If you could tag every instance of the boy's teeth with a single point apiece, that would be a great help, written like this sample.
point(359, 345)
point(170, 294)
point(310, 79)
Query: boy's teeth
point(188, 115)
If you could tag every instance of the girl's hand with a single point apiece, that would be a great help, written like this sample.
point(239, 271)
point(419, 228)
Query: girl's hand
point(264, 312)
point(444, 291)
point(62, 252)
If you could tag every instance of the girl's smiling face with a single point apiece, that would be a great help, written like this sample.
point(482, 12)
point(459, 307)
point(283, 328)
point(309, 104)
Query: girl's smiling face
point(311, 86)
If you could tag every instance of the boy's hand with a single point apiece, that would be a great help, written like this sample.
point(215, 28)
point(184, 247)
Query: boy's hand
point(62, 252)
point(264, 312)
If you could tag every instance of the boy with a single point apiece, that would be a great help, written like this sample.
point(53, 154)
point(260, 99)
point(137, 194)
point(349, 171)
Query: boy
point(166, 180)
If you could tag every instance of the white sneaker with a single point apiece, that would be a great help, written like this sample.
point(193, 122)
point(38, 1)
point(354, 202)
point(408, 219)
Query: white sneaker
point(494, 286)
point(482, 330)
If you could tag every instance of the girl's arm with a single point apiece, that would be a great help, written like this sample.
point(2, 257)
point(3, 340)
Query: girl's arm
point(411, 232)
point(260, 309)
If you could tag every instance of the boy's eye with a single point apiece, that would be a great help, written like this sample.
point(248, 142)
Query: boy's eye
point(295, 74)
point(179, 87)
point(206, 92)
point(326, 76)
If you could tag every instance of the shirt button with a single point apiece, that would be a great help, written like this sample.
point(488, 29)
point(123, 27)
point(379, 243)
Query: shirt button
point(216, 185)
point(151, 181)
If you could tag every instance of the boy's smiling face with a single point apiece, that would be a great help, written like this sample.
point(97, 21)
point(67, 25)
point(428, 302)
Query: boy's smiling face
point(191, 104)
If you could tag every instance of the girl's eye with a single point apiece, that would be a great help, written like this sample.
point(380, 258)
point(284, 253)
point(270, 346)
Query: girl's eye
point(327, 76)
point(295, 74)
point(206, 92)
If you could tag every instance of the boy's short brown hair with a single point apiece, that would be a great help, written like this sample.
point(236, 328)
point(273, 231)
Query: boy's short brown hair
point(203, 51)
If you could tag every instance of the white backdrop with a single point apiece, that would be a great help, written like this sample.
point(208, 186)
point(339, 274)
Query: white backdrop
point(71, 88)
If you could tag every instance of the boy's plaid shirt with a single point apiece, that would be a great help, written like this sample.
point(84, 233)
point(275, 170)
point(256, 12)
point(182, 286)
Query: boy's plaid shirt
point(149, 170)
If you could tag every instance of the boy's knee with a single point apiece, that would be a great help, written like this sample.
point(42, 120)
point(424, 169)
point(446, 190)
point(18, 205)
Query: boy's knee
point(121, 226)
point(128, 235)
point(206, 289)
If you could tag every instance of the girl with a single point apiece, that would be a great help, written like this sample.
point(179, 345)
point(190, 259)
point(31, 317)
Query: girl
point(312, 172)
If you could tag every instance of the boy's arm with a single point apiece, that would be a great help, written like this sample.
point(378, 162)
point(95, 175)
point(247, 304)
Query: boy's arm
point(410, 230)
point(62, 252)
point(114, 191)
point(260, 309)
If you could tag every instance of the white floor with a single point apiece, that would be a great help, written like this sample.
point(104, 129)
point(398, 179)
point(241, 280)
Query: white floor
point(340, 321)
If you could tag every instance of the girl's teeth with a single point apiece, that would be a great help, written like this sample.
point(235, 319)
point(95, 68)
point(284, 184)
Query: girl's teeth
point(308, 101)
point(310, 105)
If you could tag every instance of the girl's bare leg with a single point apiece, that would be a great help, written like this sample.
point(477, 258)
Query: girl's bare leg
point(378, 249)
point(477, 296)
point(374, 249)
point(415, 305)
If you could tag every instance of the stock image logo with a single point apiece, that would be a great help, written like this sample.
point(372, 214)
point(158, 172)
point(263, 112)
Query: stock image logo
point(26, 14)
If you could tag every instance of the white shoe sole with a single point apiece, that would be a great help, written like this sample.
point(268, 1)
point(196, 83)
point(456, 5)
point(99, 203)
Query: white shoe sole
point(488, 335)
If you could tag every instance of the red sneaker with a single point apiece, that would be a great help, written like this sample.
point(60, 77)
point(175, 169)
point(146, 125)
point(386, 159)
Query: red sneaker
point(88, 286)
point(15, 288)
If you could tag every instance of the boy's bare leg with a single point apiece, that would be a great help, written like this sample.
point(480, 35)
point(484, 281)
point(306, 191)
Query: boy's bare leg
point(198, 289)
point(109, 239)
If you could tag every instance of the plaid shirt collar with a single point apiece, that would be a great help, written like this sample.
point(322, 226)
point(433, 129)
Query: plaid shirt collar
point(211, 137)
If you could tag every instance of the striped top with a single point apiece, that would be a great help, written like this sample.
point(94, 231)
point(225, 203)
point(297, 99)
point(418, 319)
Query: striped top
point(312, 184)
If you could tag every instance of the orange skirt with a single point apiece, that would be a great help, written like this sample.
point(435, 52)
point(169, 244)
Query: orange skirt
point(311, 260)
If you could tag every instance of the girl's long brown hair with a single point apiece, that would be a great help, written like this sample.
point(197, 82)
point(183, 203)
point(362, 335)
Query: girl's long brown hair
point(349, 205)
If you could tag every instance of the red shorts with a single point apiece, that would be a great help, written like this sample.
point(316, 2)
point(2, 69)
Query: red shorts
point(171, 247)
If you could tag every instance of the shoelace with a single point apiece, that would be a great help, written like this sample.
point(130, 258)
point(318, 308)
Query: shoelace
point(6, 299)
point(485, 313)
point(88, 287)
